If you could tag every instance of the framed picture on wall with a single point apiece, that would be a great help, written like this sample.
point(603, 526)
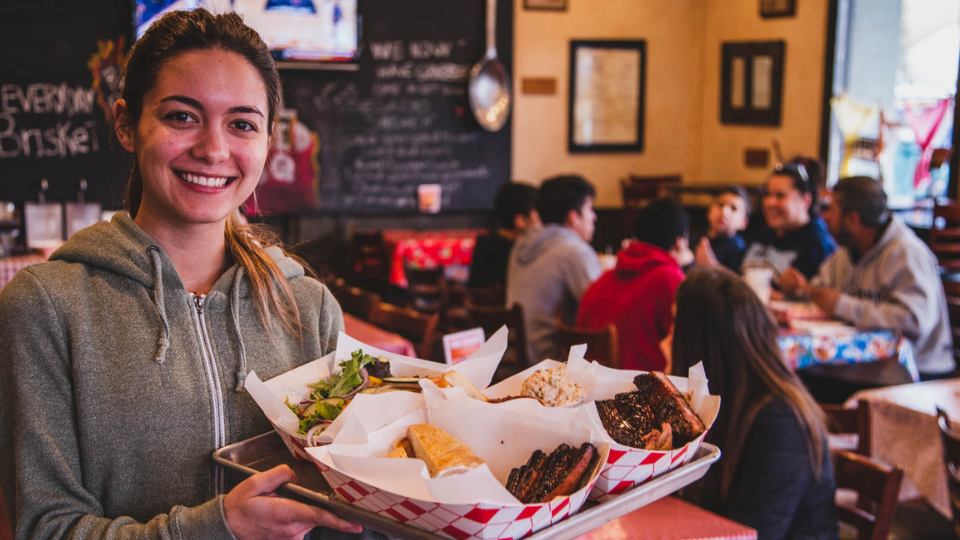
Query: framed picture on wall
point(606, 109)
point(551, 5)
point(770, 9)
point(751, 83)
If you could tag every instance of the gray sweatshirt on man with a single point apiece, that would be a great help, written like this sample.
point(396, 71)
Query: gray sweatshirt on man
point(115, 388)
point(895, 285)
point(549, 270)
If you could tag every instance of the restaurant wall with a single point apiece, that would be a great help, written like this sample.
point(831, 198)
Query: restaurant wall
point(683, 133)
point(722, 145)
point(674, 34)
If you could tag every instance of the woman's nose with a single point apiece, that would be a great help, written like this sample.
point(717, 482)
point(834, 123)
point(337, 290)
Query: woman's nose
point(212, 146)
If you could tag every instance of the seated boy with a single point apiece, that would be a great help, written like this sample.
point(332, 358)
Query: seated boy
point(727, 217)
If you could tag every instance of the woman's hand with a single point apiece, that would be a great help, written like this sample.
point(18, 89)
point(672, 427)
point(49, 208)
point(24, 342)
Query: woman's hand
point(793, 282)
point(254, 512)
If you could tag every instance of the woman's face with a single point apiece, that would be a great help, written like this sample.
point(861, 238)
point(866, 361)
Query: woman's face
point(201, 142)
point(784, 207)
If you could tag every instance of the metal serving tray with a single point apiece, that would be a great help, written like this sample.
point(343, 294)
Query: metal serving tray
point(266, 451)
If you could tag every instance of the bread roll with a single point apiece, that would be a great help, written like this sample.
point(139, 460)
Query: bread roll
point(440, 450)
point(401, 449)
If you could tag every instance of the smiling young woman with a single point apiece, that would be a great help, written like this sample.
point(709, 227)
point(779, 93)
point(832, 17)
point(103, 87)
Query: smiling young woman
point(124, 356)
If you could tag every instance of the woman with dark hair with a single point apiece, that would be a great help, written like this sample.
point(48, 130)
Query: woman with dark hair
point(775, 474)
point(794, 235)
point(123, 360)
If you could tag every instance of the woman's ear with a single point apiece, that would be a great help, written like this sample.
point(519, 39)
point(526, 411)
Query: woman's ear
point(124, 125)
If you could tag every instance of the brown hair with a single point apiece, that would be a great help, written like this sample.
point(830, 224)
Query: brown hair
point(722, 322)
point(172, 35)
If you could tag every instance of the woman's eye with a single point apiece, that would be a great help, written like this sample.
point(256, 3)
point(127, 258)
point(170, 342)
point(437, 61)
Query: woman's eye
point(178, 116)
point(243, 125)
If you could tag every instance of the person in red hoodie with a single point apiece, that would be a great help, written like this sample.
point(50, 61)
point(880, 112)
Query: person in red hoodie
point(637, 295)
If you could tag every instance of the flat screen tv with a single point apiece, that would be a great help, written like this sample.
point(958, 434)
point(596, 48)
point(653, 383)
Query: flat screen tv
point(295, 30)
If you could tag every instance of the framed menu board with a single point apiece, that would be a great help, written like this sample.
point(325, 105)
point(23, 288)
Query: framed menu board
point(606, 96)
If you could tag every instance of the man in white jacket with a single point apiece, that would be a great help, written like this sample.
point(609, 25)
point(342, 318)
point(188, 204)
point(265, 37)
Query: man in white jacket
point(883, 276)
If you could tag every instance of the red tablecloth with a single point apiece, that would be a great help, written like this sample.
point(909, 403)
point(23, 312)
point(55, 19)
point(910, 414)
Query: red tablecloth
point(11, 265)
point(671, 519)
point(371, 335)
point(428, 249)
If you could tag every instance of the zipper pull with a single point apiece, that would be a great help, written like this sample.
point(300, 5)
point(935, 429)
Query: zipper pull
point(198, 300)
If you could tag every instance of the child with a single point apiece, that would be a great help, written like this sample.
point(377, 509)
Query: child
point(727, 217)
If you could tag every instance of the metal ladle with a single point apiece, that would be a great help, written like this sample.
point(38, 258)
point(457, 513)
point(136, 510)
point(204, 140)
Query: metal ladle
point(489, 86)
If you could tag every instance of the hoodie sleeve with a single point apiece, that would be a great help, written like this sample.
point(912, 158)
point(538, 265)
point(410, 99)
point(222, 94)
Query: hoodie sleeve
point(40, 466)
point(331, 320)
point(911, 303)
point(583, 268)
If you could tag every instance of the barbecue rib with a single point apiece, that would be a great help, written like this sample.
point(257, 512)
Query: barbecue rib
point(545, 477)
point(655, 417)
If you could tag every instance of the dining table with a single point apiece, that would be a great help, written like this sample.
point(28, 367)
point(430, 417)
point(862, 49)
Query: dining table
point(375, 336)
point(904, 431)
point(671, 518)
point(451, 248)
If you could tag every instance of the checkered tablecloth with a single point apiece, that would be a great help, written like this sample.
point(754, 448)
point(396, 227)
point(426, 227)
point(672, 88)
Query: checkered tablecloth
point(844, 345)
point(672, 519)
point(11, 265)
point(429, 249)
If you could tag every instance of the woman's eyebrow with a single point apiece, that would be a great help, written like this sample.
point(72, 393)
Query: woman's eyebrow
point(248, 109)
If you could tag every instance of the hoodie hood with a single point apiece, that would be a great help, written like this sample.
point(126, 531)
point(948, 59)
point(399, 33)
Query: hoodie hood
point(640, 257)
point(536, 241)
point(123, 248)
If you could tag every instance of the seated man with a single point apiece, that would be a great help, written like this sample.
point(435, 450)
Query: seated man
point(883, 276)
point(551, 266)
point(637, 295)
point(514, 210)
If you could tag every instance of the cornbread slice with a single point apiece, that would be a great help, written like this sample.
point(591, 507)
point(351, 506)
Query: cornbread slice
point(440, 450)
point(402, 449)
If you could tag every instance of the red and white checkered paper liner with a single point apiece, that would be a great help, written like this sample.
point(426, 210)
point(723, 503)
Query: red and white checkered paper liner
point(459, 521)
point(627, 467)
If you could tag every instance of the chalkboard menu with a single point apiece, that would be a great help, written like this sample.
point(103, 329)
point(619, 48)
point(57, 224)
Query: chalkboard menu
point(58, 78)
point(403, 119)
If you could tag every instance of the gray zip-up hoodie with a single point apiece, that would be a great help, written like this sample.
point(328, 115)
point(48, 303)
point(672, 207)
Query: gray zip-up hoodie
point(895, 285)
point(116, 386)
point(549, 270)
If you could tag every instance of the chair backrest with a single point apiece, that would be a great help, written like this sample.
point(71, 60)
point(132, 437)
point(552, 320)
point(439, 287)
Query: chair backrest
point(638, 190)
point(356, 301)
point(945, 234)
point(602, 345)
point(370, 265)
point(486, 296)
point(491, 318)
point(419, 328)
point(876, 484)
point(950, 440)
point(427, 290)
point(952, 291)
point(843, 421)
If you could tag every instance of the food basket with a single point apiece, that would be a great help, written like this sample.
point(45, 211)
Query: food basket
point(270, 395)
point(626, 467)
point(473, 504)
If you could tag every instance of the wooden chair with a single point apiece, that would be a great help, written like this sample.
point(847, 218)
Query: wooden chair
point(950, 440)
point(637, 191)
point(370, 265)
point(427, 289)
point(602, 345)
point(6, 530)
point(841, 421)
point(356, 301)
point(419, 328)
point(945, 235)
point(486, 296)
point(876, 485)
point(491, 318)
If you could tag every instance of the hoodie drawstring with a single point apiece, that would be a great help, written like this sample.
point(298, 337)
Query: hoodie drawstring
point(164, 340)
point(235, 312)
